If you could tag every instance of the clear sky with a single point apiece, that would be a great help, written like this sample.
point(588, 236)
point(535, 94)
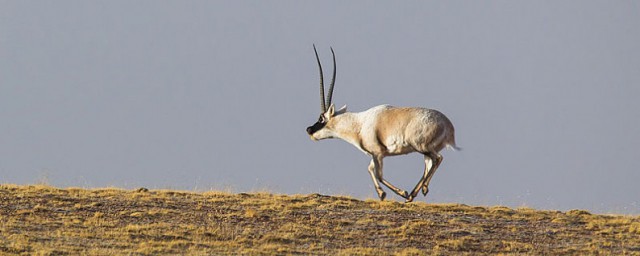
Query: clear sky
point(200, 95)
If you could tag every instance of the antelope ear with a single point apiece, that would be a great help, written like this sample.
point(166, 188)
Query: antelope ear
point(342, 110)
point(331, 111)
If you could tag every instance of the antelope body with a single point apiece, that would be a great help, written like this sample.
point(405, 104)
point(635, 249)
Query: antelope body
point(386, 131)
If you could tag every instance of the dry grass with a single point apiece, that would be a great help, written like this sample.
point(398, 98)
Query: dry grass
point(41, 220)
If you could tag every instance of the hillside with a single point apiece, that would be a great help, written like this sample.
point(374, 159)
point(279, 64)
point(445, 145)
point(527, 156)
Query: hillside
point(41, 220)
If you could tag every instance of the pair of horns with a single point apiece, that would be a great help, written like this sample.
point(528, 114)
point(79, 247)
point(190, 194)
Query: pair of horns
point(333, 80)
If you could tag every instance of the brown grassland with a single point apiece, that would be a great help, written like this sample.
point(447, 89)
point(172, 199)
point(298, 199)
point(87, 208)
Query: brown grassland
point(42, 220)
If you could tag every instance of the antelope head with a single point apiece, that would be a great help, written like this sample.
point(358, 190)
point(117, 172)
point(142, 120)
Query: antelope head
point(322, 128)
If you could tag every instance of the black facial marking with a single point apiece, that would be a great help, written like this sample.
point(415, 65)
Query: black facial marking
point(317, 126)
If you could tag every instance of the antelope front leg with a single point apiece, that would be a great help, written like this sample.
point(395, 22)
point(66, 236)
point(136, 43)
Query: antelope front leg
point(377, 164)
point(372, 171)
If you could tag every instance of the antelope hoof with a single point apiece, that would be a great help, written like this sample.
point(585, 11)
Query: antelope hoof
point(409, 199)
point(382, 195)
point(425, 190)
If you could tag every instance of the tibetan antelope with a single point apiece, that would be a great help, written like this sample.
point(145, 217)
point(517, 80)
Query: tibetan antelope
point(386, 131)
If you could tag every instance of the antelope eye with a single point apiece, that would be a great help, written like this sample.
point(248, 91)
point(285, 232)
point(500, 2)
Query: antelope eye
point(321, 119)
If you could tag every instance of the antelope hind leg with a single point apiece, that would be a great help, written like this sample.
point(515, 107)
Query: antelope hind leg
point(425, 185)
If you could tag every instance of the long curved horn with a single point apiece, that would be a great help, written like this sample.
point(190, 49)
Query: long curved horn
point(322, 106)
point(333, 80)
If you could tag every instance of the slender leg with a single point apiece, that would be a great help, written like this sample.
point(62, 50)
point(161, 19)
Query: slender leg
point(437, 160)
point(428, 163)
point(381, 192)
point(378, 169)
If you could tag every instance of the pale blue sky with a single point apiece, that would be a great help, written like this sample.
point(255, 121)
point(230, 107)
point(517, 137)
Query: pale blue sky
point(202, 95)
